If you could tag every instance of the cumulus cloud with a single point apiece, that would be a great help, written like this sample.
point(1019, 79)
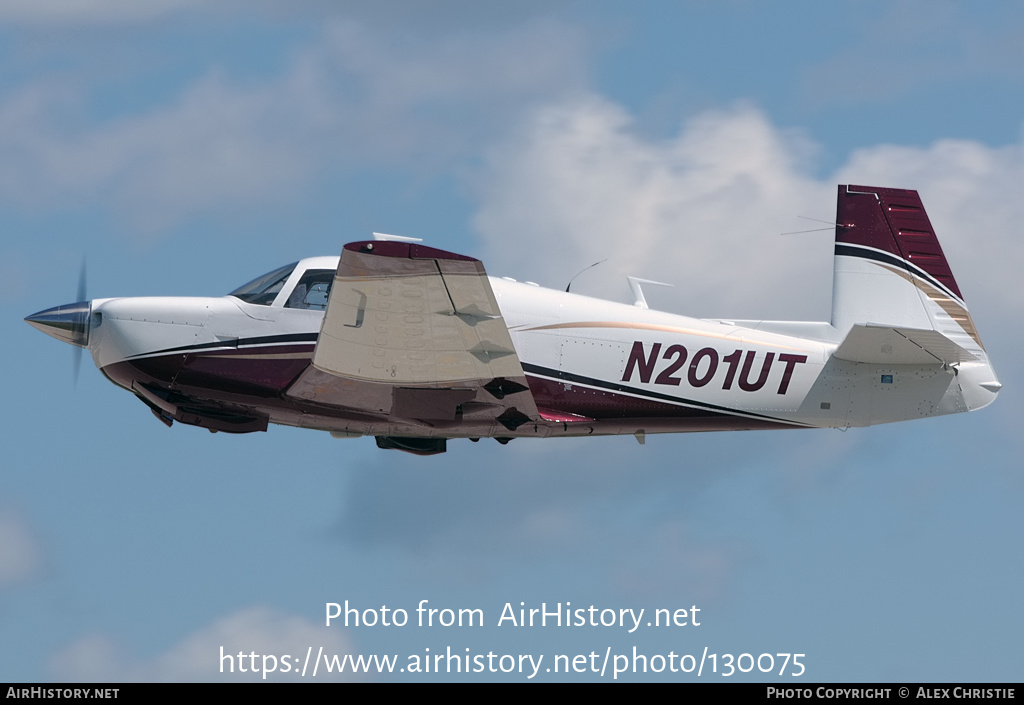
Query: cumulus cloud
point(353, 97)
point(216, 146)
point(704, 209)
point(198, 656)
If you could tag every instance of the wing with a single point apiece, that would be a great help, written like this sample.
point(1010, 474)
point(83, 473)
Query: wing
point(414, 335)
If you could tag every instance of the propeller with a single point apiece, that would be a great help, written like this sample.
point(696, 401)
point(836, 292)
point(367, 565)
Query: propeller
point(69, 322)
point(77, 352)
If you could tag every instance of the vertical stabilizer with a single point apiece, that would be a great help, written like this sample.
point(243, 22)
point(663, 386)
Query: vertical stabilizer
point(890, 269)
point(896, 302)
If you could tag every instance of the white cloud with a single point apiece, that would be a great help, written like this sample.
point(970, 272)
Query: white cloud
point(216, 146)
point(20, 556)
point(198, 657)
point(353, 98)
point(704, 210)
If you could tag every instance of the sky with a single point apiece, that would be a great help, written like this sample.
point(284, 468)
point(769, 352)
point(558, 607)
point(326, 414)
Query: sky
point(183, 148)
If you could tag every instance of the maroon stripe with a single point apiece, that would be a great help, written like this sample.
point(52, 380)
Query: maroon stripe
point(894, 221)
point(557, 397)
point(236, 369)
point(403, 250)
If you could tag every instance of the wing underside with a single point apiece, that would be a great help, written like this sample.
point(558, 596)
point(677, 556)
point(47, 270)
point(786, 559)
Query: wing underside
point(413, 336)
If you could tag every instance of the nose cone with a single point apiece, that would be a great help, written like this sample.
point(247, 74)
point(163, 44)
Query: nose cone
point(69, 322)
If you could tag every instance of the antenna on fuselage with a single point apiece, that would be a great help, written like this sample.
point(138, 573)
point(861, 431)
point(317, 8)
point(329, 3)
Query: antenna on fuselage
point(638, 293)
point(581, 272)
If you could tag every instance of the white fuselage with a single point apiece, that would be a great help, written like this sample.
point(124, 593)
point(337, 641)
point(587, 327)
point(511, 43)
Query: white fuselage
point(595, 366)
point(415, 345)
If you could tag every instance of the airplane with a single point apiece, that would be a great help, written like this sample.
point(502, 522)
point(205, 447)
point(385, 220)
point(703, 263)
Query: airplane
point(415, 346)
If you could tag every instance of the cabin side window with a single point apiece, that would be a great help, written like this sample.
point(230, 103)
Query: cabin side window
point(312, 291)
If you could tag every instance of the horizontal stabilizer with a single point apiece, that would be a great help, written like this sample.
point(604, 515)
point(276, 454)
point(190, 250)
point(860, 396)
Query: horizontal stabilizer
point(899, 346)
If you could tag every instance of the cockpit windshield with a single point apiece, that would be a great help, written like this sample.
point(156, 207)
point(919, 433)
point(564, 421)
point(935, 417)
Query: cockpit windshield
point(263, 290)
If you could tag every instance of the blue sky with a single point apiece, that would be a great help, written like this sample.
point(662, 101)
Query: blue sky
point(185, 149)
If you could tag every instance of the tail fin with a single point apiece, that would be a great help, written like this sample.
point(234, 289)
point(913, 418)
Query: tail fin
point(894, 297)
point(890, 269)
